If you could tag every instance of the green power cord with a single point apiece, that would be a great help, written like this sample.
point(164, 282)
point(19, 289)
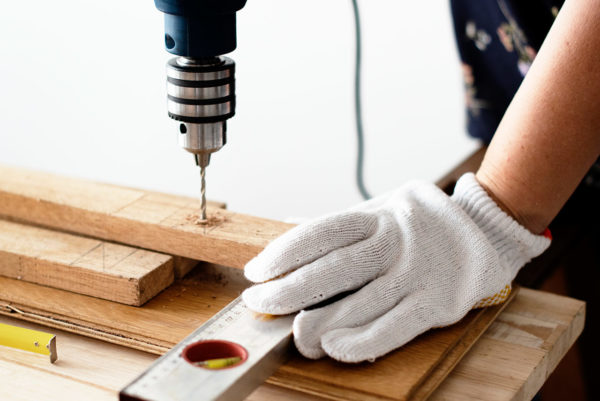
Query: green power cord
point(360, 157)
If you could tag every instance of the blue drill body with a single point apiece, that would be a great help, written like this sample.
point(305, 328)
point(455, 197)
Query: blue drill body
point(200, 28)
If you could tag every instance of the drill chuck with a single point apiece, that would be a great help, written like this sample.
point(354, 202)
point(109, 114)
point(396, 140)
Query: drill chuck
point(201, 96)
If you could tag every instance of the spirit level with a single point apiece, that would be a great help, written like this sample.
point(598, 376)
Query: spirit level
point(247, 348)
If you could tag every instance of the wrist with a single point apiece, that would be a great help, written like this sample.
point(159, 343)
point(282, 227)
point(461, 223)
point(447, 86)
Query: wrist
point(500, 193)
point(515, 244)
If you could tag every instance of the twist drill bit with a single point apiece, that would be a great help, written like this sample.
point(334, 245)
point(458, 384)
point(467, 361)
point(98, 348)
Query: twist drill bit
point(202, 160)
point(203, 193)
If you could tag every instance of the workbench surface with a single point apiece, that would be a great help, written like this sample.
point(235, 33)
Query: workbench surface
point(511, 361)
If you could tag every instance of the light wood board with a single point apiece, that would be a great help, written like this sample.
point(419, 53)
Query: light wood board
point(86, 369)
point(151, 220)
point(412, 372)
point(83, 265)
point(519, 350)
point(508, 363)
point(169, 317)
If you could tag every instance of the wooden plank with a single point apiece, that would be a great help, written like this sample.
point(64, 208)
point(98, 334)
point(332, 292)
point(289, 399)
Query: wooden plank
point(519, 350)
point(550, 325)
point(169, 317)
point(151, 220)
point(161, 322)
point(21, 383)
point(86, 369)
point(409, 373)
point(183, 266)
point(83, 265)
point(446, 365)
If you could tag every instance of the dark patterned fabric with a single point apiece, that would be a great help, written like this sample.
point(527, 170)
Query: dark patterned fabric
point(497, 42)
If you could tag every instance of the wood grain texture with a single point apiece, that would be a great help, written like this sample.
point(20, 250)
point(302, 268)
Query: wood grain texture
point(409, 373)
point(151, 220)
point(83, 265)
point(511, 360)
point(86, 369)
point(519, 350)
point(162, 322)
point(22, 383)
point(169, 317)
point(494, 369)
point(456, 353)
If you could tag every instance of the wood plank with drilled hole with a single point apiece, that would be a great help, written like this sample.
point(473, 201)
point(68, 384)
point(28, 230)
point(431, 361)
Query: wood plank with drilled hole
point(169, 317)
point(151, 220)
point(83, 265)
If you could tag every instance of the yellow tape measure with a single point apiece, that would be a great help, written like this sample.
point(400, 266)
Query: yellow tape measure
point(29, 340)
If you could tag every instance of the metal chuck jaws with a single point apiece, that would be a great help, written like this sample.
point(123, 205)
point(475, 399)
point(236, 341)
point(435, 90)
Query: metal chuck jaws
point(201, 96)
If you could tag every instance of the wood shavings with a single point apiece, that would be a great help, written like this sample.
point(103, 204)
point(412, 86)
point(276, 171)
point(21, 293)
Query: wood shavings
point(212, 220)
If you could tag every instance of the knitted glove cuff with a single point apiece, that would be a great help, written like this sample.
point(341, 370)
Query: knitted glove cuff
point(514, 243)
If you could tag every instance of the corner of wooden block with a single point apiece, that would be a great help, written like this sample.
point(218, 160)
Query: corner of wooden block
point(153, 283)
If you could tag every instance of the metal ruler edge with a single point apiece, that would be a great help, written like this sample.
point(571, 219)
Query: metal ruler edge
point(172, 378)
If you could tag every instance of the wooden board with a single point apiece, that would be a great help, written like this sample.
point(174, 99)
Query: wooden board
point(183, 266)
point(158, 325)
point(410, 373)
point(174, 313)
point(86, 369)
point(509, 362)
point(83, 265)
point(161, 222)
point(151, 220)
point(519, 350)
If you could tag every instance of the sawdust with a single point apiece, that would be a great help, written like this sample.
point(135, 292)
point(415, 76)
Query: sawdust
point(215, 219)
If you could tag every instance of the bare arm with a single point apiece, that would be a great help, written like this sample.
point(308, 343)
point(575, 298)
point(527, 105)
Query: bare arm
point(550, 134)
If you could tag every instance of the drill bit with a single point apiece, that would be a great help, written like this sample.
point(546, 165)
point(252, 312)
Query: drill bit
point(203, 193)
point(202, 161)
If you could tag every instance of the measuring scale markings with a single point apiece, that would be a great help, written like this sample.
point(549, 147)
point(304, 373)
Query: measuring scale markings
point(171, 377)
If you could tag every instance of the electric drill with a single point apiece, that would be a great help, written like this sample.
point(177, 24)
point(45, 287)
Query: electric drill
point(200, 81)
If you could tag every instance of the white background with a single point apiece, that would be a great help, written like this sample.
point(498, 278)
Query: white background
point(82, 92)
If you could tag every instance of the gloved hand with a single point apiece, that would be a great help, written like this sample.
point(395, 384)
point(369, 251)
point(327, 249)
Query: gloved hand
point(419, 259)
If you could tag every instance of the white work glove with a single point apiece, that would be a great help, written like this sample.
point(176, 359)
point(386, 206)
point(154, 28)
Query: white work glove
point(419, 259)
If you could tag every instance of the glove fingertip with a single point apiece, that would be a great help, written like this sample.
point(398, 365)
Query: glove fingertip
point(335, 344)
point(266, 298)
point(255, 301)
point(304, 337)
point(309, 352)
point(256, 270)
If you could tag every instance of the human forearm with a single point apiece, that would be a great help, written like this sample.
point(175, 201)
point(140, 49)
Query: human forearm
point(550, 134)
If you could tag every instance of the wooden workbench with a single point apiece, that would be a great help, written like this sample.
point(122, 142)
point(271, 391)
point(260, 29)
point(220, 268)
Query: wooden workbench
point(510, 362)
